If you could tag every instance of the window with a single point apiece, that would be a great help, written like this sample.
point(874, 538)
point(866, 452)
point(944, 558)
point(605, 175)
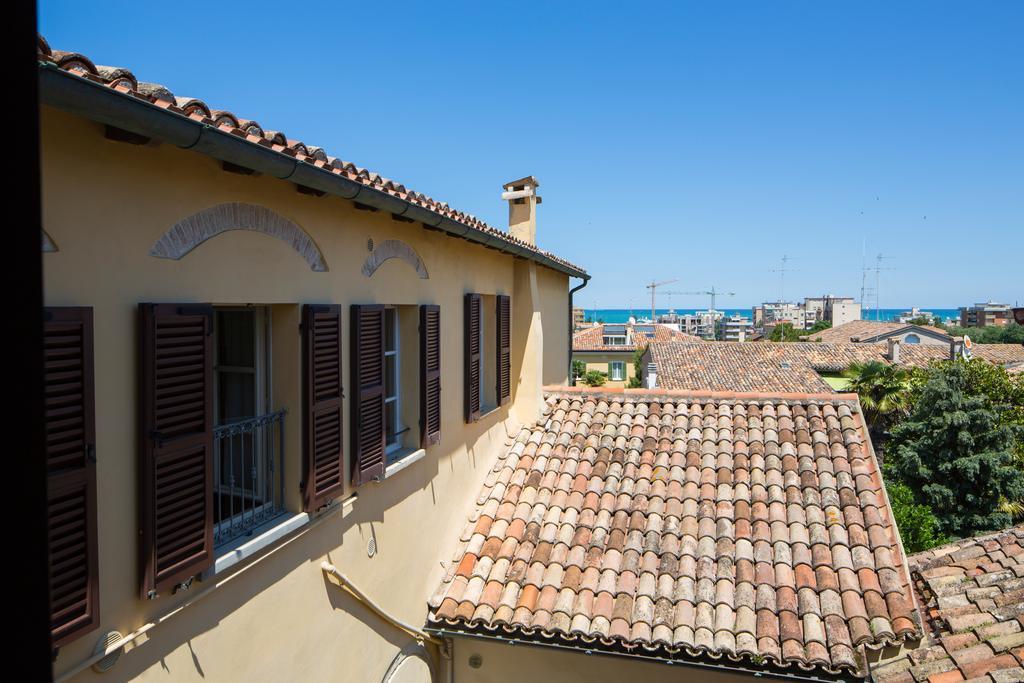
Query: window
point(912, 339)
point(488, 360)
point(617, 371)
point(392, 381)
point(247, 489)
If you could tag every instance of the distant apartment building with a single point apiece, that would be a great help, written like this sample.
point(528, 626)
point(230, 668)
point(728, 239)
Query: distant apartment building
point(985, 315)
point(837, 310)
point(701, 324)
point(735, 328)
point(770, 314)
point(579, 318)
point(916, 313)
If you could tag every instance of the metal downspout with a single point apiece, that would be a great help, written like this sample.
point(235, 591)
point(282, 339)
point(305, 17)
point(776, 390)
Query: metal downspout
point(571, 327)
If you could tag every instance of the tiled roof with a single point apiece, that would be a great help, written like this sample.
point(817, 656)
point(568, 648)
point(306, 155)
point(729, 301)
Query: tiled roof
point(125, 82)
point(972, 592)
point(748, 527)
point(784, 366)
point(592, 338)
point(866, 329)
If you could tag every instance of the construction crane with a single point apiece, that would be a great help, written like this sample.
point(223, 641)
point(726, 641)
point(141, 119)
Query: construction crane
point(712, 293)
point(653, 286)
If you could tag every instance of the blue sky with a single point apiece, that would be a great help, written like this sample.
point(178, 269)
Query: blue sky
point(698, 141)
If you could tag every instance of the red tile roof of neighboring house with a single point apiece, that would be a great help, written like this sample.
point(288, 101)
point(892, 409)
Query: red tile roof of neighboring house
point(785, 366)
point(124, 82)
point(592, 338)
point(867, 330)
point(972, 593)
point(749, 527)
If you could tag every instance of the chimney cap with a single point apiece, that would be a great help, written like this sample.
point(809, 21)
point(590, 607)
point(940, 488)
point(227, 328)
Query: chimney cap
point(528, 181)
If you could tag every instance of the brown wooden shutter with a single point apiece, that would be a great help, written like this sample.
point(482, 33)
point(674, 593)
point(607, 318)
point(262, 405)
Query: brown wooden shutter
point(71, 473)
point(368, 401)
point(503, 345)
point(323, 478)
point(471, 331)
point(176, 406)
point(430, 375)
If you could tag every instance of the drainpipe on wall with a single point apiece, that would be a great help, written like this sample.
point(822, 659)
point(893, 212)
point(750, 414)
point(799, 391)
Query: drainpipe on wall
point(571, 326)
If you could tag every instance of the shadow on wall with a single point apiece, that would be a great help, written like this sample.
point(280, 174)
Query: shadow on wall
point(319, 543)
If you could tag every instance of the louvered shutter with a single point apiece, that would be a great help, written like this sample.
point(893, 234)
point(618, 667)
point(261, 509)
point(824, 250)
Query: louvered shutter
point(473, 356)
point(71, 472)
point(322, 406)
point(503, 346)
point(368, 400)
point(430, 375)
point(176, 378)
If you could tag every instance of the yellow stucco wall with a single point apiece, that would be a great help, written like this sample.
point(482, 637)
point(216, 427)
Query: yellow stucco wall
point(503, 663)
point(599, 360)
point(105, 204)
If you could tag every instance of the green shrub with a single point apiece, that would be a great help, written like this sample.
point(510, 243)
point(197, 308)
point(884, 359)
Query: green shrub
point(595, 378)
point(918, 526)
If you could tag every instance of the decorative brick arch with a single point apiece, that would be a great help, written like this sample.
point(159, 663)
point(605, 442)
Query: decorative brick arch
point(190, 232)
point(389, 249)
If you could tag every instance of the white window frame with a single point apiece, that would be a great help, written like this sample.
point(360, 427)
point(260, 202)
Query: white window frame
point(395, 400)
point(614, 364)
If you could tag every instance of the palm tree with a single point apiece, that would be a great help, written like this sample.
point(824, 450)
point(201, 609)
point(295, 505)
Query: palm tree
point(884, 392)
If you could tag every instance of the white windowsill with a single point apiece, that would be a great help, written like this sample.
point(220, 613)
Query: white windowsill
point(271, 533)
point(405, 457)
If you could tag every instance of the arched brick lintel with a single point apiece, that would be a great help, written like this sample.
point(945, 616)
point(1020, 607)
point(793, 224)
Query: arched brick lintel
point(190, 232)
point(389, 249)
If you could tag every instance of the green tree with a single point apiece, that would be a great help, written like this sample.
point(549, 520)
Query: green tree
point(595, 378)
point(579, 368)
point(921, 320)
point(885, 395)
point(919, 528)
point(953, 452)
point(1011, 333)
point(638, 368)
point(819, 326)
point(784, 332)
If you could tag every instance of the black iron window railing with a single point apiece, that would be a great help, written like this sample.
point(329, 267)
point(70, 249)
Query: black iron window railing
point(248, 478)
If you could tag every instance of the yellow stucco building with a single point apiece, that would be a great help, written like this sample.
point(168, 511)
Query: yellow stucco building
point(261, 359)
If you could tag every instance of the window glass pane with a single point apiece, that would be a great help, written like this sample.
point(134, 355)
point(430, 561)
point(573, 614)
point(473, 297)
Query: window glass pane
point(236, 395)
point(391, 434)
point(389, 329)
point(236, 338)
point(390, 375)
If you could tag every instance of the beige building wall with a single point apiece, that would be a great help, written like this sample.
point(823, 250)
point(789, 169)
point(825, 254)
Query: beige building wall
point(503, 663)
point(599, 360)
point(275, 618)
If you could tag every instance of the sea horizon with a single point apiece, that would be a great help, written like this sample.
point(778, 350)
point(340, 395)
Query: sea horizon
point(622, 315)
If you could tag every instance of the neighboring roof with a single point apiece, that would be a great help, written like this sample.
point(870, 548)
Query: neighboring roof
point(870, 331)
point(686, 526)
point(118, 84)
point(1015, 367)
point(640, 335)
point(788, 366)
point(972, 592)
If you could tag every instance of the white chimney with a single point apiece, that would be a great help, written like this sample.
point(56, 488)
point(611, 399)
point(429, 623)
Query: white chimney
point(894, 350)
point(651, 376)
point(522, 199)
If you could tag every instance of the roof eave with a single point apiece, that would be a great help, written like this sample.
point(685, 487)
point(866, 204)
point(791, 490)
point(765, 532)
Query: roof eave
point(97, 102)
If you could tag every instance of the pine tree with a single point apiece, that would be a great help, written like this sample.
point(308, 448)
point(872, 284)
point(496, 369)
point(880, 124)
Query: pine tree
point(956, 456)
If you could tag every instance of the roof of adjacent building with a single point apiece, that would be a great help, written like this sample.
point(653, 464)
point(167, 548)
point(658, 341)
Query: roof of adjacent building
point(972, 595)
point(694, 527)
point(640, 335)
point(869, 330)
point(788, 366)
point(122, 82)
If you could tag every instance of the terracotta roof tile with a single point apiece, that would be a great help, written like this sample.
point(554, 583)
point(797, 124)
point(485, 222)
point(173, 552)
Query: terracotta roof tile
point(714, 530)
point(973, 599)
point(124, 81)
point(781, 366)
point(639, 336)
point(867, 330)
